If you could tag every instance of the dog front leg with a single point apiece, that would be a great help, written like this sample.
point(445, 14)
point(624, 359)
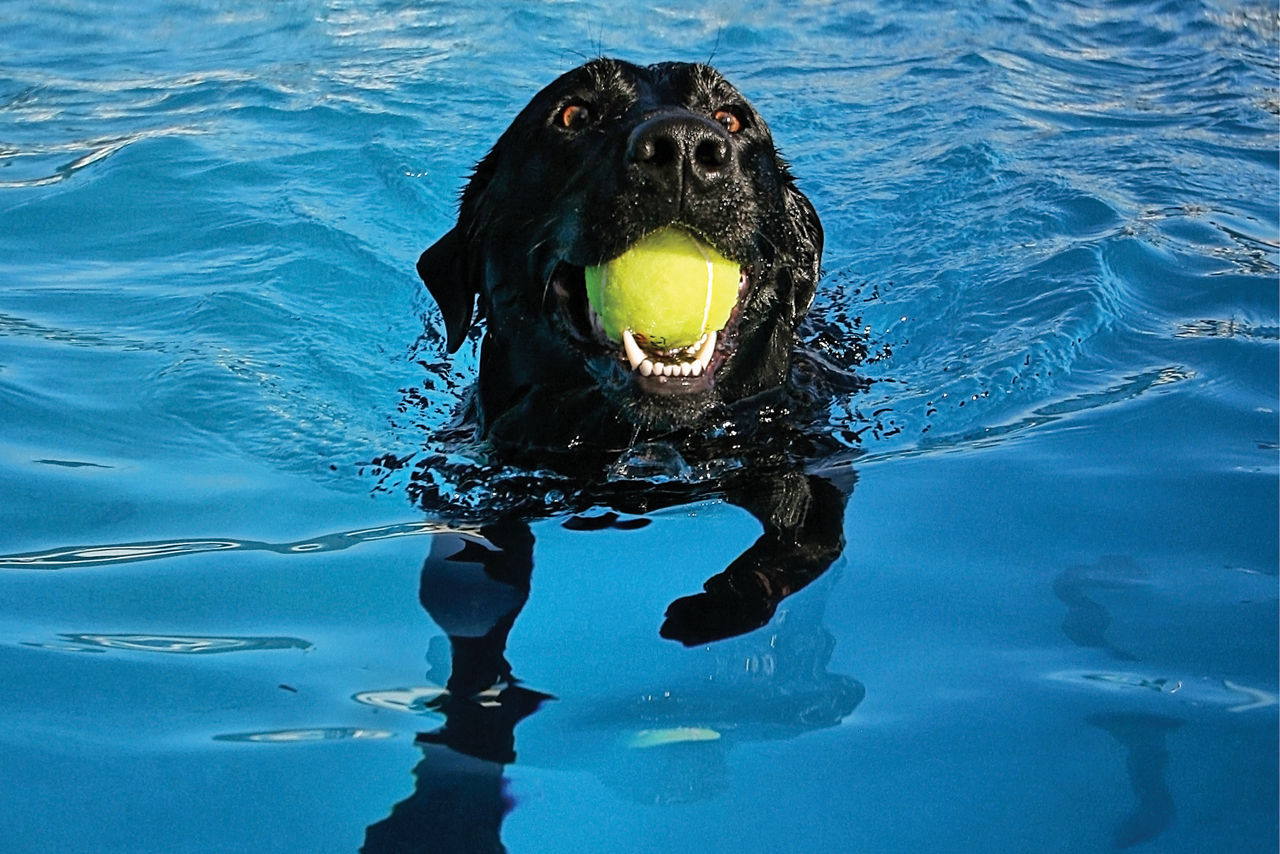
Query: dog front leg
point(803, 519)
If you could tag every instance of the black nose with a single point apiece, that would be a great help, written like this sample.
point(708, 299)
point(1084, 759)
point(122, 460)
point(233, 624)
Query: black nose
point(673, 148)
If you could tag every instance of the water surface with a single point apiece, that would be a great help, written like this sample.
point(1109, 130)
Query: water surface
point(1052, 253)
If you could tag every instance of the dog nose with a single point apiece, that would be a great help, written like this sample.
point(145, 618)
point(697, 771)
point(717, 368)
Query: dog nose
point(669, 147)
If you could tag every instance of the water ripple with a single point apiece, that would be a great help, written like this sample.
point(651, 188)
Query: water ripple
point(1022, 201)
point(49, 164)
point(79, 557)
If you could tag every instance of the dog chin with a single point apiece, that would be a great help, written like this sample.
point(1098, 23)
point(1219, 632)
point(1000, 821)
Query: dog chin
point(656, 402)
point(666, 412)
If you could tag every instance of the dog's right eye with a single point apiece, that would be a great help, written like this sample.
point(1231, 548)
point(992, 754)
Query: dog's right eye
point(728, 120)
point(574, 117)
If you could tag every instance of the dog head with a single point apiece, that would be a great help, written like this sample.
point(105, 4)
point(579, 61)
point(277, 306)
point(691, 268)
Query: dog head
point(604, 156)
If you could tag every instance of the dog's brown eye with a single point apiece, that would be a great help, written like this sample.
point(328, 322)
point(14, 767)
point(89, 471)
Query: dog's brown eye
point(728, 120)
point(575, 116)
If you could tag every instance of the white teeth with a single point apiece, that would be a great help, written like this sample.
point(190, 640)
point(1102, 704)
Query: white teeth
point(650, 368)
point(634, 354)
point(708, 349)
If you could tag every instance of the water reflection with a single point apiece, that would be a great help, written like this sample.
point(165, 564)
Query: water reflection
point(179, 644)
point(666, 746)
point(79, 557)
point(296, 736)
point(1190, 692)
point(416, 701)
point(474, 592)
point(671, 746)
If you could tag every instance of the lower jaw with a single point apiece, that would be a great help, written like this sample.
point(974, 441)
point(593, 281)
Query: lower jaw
point(672, 386)
point(667, 408)
point(701, 379)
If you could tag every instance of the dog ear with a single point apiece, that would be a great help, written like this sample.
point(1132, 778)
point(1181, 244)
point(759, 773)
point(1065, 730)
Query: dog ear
point(802, 217)
point(444, 270)
point(449, 268)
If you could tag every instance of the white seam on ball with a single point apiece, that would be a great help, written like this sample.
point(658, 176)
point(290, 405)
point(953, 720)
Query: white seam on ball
point(711, 273)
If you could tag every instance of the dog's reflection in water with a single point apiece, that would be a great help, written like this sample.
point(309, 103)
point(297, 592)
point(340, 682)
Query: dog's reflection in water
point(677, 740)
point(474, 594)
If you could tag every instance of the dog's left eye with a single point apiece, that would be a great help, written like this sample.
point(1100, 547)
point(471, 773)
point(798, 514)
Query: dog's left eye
point(574, 117)
point(728, 120)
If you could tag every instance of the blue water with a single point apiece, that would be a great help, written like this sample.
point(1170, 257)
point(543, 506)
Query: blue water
point(1051, 235)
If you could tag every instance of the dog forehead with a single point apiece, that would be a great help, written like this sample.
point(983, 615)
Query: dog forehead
point(665, 83)
point(694, 82)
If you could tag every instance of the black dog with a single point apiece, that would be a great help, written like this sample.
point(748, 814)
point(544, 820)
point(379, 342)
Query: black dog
point(601, 158)
point(605, 155)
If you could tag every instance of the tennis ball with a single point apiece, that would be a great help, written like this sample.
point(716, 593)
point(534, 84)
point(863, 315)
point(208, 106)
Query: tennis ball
point(669, 289)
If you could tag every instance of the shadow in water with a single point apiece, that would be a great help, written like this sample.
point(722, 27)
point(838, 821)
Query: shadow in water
point(1143, 736)
point(475, 589)
point(1146, 755)
point(1087, 621)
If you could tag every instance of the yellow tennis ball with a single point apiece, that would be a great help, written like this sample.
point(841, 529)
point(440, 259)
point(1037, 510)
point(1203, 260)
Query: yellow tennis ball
point(669, 289)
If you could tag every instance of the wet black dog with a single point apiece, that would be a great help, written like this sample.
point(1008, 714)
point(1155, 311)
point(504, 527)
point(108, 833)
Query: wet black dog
point(605, 155)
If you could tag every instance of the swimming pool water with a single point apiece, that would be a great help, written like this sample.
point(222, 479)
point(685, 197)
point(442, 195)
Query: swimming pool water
point(1052, 236)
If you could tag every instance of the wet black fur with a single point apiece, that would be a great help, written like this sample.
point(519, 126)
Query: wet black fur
point(548, 197)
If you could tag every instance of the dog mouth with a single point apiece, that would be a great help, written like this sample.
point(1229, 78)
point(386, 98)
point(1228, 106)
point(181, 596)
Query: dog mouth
point(653, 368)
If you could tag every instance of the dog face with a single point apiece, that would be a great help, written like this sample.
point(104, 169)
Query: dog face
point(604, 156)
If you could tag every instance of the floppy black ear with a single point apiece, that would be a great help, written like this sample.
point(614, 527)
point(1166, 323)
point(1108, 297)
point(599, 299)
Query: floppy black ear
point(808, 241)
point(445, 272)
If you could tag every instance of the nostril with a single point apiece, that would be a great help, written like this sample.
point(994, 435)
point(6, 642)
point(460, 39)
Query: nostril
point(712, 153)
point(665, 151)
point(654, 150)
